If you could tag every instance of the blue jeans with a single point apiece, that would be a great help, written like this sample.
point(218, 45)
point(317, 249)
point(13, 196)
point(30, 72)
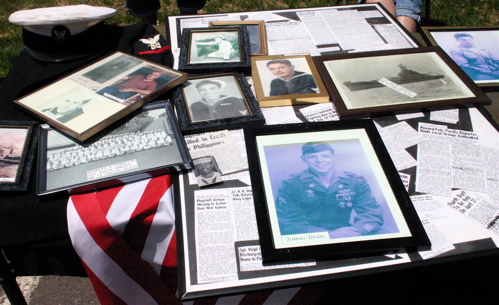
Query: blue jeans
point(409, 8)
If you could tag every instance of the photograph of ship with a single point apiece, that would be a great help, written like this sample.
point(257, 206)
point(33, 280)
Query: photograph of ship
point(395, 79)
point(12, 143)
point(405, 76)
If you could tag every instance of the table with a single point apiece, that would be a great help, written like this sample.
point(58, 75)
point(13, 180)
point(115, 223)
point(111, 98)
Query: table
point(26, 224)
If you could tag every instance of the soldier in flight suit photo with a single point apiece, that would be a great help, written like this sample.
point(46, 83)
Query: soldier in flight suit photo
point(321, 198)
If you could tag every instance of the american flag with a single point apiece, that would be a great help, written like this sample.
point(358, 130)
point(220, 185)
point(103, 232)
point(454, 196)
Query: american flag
point(125, 237)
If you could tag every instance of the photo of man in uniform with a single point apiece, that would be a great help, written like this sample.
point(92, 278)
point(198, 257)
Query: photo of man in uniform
point(67, 110)
point(206, 171)
point(478, 63)
point(213, 103)
point(289, 81)
point(324, 199)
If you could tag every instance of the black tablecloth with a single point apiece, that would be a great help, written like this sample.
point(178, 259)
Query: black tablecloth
point(26, 218)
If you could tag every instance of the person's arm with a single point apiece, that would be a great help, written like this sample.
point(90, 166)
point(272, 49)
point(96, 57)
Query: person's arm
point(461, 61)
point(307, 85)
point(140, 91)
point(205, 43)
point(274, 90)
point(289, 213)
point(407, 22)
point(149, 88)
point(241, 106)
point(369, 216)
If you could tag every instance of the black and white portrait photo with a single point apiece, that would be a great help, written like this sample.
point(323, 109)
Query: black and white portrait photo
point(213, 98)
point(214, 46)
point(475, 51)
point(70, 105)
point(206, 171)
point(281, 76)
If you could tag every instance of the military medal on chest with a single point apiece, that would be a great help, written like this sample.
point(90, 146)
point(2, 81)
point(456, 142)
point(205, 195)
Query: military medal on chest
point(345, 197)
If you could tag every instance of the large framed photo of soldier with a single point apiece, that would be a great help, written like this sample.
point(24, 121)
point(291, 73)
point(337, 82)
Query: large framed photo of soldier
point(474, 49)
point(224, 48)
point(287, 80)
point(327, 191)
point(209, 102)
point(17, 151)
point(383, 82)
point(147, 144)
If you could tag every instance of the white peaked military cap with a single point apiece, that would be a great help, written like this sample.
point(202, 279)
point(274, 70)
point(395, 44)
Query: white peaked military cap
point(76, 18)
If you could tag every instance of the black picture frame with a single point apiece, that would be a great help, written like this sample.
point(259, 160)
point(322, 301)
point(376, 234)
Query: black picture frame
point(239, 88)
point(382, 82)
point(18, 141)
point(487, 38)
point(203, 59)
point(147, 144)
point(289, 234)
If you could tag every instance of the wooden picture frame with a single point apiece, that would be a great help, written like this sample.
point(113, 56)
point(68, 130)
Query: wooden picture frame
point(474, 49)
point(148, 144)
point(234, 105)
point(381, 82)
point(274, 86)
point(256, 32)
point(87, 101)
point(365, 209)
point(220, 49)
point(17, 150)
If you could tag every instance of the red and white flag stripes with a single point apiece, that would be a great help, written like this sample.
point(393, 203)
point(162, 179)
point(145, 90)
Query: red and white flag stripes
point(125, 237)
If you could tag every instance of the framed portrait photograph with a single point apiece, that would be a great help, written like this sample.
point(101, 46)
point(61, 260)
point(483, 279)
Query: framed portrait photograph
point(148, 144)
point(85, 102)
point(215, 49)
point(209, 102)
point(328, 190)
point(381, 82)
point(256, 32)
point(287, 80)
point(473, 49)
point(17, 150)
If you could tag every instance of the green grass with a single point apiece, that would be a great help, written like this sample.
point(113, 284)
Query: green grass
point(442, 12)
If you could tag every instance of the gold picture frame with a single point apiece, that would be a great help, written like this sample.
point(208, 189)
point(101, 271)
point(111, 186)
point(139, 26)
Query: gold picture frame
point(287, 80)
point(256, 31)
point(87, 101)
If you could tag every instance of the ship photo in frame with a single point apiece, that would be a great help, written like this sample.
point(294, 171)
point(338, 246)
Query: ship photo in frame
point(380, 82)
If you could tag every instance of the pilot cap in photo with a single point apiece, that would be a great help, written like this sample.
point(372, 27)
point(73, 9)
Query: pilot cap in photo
point(61, 32)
